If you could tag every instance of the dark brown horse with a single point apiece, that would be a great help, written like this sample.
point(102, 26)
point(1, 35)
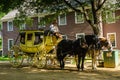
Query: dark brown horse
point(74, 48)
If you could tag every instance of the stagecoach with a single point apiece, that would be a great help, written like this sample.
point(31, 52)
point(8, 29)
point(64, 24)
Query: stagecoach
point(34, 47)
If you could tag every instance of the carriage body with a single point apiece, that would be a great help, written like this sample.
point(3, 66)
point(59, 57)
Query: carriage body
point(33, 42)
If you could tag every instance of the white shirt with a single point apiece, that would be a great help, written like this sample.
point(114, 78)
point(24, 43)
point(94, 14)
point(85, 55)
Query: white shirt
point(54, 28)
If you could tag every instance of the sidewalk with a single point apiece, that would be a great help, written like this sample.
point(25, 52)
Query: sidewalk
point(4, 61)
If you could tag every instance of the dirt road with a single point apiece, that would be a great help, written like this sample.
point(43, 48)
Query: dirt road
point(7, 72)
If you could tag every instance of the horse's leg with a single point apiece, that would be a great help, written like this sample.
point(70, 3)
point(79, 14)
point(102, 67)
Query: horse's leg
point(62, 64)
point(76, 59)
point(78, 63)
point(83, 59)
point(94, 58)
point(82, 65)
point(92, 52)
point(94, 63)
point(99, 57)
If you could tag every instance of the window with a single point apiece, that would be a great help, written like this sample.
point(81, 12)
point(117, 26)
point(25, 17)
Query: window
point(23, 27)
point(10, 26)
point(79, 35)
point(62, 19)
point(38, 38)
point(41, 22)
point(10, 43)
point(79, 18)
point(29, 36)
point(64, 36)
point(112, 38)
point(22, 38)
point(110, 16)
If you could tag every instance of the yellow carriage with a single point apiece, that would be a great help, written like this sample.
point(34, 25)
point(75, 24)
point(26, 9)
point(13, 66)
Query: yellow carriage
point(34, 46)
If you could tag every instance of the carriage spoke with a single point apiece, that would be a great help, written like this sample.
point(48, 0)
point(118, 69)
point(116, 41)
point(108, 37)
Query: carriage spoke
point(40, 59)
point(15, 59)
point(30, 60)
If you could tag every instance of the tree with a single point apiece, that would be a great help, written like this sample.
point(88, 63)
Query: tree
point(7, 5)
point(91, 9)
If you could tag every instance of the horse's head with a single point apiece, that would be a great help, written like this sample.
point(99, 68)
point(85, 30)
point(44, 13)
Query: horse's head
point(104, 44)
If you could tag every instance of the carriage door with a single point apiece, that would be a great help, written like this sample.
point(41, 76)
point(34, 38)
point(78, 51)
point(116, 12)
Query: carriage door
point(38, 38)
point(29, 39)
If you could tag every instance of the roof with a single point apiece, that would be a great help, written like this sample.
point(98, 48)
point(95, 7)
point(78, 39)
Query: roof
point(12, 14)
point(9, 16)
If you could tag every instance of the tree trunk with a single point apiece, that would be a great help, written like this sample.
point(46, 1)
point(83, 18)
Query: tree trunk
point(95, 28)
point(100, 26)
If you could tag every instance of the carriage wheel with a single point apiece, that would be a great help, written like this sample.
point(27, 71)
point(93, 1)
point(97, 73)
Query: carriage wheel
point(40, 59)
point(15, 57)
point(30, 60)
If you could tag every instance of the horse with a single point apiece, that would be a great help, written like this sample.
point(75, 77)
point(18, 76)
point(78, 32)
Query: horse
point(104, 44)
point(74, 48)
point(95, 45)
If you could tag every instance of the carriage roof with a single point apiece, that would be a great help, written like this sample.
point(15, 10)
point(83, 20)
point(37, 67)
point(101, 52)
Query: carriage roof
point(31, 31)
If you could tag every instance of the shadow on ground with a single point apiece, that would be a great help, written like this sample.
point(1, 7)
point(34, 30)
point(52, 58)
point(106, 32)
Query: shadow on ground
point(7, 72)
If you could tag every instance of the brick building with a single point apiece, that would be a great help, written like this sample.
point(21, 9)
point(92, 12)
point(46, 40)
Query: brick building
point(71, 26)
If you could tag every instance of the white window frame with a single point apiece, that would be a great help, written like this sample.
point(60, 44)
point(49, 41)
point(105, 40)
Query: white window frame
point(8, 26)
point(59, 19)
point(9, 43)
point(110, 39)
point(111, 16)
point(65, 36)
point(77, 34)
point(77, 17)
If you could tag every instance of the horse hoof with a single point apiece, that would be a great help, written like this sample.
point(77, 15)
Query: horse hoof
point(94, 68)
point(80, 70)
point(62, 68)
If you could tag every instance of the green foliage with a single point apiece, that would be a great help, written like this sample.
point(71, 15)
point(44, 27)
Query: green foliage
point(56, 7)
point(29, 21)
point(6, 5)
point(1, 15)
point(4, 58)
point(47, 19)
point(21, 19)
point(18, 21)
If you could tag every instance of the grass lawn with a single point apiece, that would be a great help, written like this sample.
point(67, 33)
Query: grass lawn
point(4, 58)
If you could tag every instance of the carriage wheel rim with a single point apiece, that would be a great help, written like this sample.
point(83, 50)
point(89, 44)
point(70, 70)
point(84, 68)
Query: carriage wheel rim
point(15, 59)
